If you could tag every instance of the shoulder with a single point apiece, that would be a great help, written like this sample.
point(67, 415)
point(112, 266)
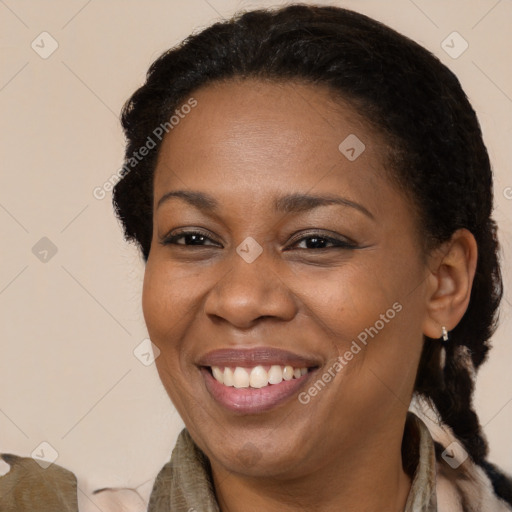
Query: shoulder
point(461, 484)
point(464, 485)
point(27, 484)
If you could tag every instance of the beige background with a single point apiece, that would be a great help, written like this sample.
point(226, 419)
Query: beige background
point(69, 325)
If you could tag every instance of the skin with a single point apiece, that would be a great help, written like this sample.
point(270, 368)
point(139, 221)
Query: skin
point(245, 144)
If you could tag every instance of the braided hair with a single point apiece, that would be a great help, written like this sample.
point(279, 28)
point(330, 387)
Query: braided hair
point(436, 155)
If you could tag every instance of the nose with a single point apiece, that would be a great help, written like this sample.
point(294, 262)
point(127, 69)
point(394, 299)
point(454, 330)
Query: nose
point(250, 292)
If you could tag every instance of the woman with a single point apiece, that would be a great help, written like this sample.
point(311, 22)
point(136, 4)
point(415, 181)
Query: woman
point(312, 197)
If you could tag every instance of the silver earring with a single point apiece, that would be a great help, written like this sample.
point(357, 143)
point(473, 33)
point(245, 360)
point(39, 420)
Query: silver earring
point(442, 354)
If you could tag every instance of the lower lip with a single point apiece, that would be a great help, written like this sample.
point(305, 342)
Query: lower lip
point(253, 400)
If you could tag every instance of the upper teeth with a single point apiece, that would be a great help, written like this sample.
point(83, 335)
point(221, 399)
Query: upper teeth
point(256, 377)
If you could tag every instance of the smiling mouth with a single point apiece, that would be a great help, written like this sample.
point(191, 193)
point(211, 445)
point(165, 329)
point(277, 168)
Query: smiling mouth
point(256, 377)
point(254, 390)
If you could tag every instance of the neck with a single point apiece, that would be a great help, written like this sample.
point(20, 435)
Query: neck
point(367, 477)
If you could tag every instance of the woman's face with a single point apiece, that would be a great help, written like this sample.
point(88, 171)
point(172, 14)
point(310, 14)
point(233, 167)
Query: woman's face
point(302, 254)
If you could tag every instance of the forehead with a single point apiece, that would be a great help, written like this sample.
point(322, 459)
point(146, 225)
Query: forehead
point(270, 135)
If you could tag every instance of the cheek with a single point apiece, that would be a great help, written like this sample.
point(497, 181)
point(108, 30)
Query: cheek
point(164, 305)
point(386, 325)
point(167, 300)
point(155, 297)
point(370, 317)
point(347, 301)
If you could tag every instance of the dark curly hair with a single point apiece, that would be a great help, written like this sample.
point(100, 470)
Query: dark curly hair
point(435, 144)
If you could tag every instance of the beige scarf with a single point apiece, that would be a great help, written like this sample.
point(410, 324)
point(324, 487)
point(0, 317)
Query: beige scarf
point(184, 484)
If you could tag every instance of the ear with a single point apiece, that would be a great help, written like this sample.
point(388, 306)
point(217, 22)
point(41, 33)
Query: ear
point(452, 270)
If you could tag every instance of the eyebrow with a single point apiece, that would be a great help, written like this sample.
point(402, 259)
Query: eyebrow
point(200, 200)
point(293, 203)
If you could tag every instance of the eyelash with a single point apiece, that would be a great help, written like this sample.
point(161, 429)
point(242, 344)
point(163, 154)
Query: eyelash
point(336, 243)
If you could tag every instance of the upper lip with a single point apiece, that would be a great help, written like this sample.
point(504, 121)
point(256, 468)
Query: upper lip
point(255, 356)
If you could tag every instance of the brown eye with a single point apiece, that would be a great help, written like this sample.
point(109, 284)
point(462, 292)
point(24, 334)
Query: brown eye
point(321, 241)
point(188, 238)
point(316, 242)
